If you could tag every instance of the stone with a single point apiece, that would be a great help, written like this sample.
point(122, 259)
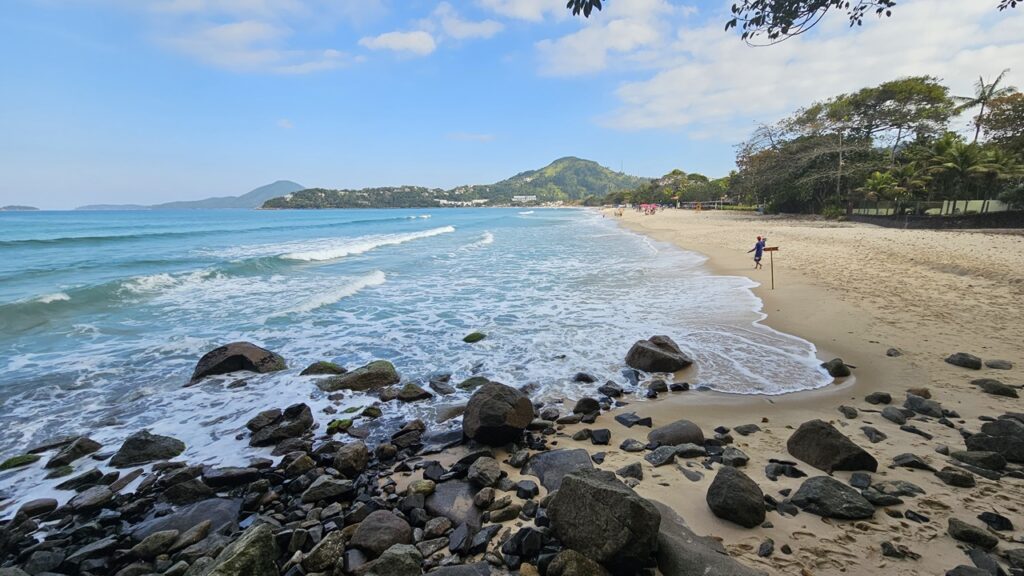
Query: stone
point(351, 459)
point(91, 499)
point(219, 512)
point(964, 570)
point(323, 368)
point(379, 531)
point(472, 383)
point(327, 488)
point(601, 437)
point(923, 406)
point(572, 563)
point(657, 354)
point(973, 535)
point(964, 360)
point(733, 496)
point(484, 472)
point(473, 337)
point(989, 386)
point(143, 447)
point(586, 406)
point(689, 450)
point(234, 357)
point(683, 553)
point(836, 368)
point(819, 444)
point(372, 377)
point(956, 477)
point(398, 560)
point(827, 497)
point(412, 393)
point(894, 415)
point(252, 554)
point(678, 432)
point(155, 544)
point(611, 390)
point(634, 470)
point(874, 434)
point(908, 460)
point(746, 429)
point(229, 477)
point(898, 488)
point(999, 364)
point(734, 457)
point(878, 398)
point(80, 447)
point(995, 521)
point(325, 554)
point(848, 412)
point(37, 507)
point(551, 466)
point(293, 422)
point(661, 455)
point(187, 492)
point(496, 414)
point(632, 445)
point(596, 515)
point(453, 499)
point(630, 419)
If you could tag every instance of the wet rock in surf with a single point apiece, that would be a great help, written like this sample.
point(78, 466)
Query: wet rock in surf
point(412, 392)
point(234, 357)
point(143, 447)
point(474, 337)
point(657, 354)
point(80, 447)
point(836, 368)
point(374, 376)
point(269, 428)
point(819, 444)
point(496, 414)
point(323, 369)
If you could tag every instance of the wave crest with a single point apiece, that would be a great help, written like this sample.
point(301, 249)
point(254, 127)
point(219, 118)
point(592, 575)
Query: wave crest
point(363, 244)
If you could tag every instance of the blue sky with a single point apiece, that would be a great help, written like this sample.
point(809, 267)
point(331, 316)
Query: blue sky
point(153, 100)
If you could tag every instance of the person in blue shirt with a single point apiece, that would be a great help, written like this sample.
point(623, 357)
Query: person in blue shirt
point(758, 251)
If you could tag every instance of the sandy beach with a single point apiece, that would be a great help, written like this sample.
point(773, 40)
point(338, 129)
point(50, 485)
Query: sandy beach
point(855, 291)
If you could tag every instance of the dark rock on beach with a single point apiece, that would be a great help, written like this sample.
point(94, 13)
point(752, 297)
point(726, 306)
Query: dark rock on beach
point(143, 447)
point(657, 354)
point(271, 427)
point(497, 414)
point(836, 368)
point(733, 496)
point(819, 444)
point(995, 387)
point(234, 357)
point(552, 466)
point(973, 535)
point(830, 498)
point(678, 432)
point(964, 360)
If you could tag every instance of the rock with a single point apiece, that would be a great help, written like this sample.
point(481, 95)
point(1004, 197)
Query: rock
point(229, 477)
point(923, 406)
point(572, 563)
point(497, 414)
point(898, 488)
point(874, 435)
point(412, 393)
point(325, 554)
point(973, 535)
point(584, 378)
point(143, 447)
point(484, 472)
point(894, 415)
point(630, 419)
point(219, 512)
point(683, 553)
point(155, 544)
point(830, 498)
point(81, 446)
point(234, 357)
point(634, 470)
point(379, 531)
point(848, 412)
point(999, 364)
point(600, 437)
point(878, 398)
point(995, 521)
point(474, 337)
point(37, 507)
point(819, 444)
point(678, 432)
point(989, 386)
point(472, 383)
point(836, 368)
point(551, 466)
point(91, 499)
point(323, 369)
point(398, 560)
point(374, 376)
point(527, 489)
point(860, 480)
point(351, 459)
point(964, 570)
point(964, 360)
point(981, 459)
point(914, 461)
point(187, 492)
point(690, 451)
point(879, 498)
point(956, 477)
point(734, 457)
point(733, 496)
point(746, 429)
point(586, 406)
point(893, 353)
point(453, 500)
point(661, 456)
point(611, 390)
point(596, 515)
point(658, 386)
point(253, 554)
point(657, 354)
point(327, 488)
point(632, 445)
point(295, 420)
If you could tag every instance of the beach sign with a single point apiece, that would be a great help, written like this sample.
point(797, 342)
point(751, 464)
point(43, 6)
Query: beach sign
point(771, 261)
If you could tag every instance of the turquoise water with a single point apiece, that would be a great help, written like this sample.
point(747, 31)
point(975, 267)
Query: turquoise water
point(104, 314)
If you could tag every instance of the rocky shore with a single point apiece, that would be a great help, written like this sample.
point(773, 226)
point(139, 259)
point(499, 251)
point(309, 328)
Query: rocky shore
point(522, 488)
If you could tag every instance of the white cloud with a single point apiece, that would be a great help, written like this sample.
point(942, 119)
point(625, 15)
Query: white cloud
point(470, 137)
point(418, 42)
point(710, 83)
point(454, 26)
point(532, 10)
point(285, 124)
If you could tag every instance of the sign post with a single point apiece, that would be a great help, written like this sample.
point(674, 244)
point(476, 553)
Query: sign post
point(771, 261)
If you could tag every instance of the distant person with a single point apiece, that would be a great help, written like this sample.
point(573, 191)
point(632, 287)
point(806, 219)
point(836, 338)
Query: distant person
point(758, 251)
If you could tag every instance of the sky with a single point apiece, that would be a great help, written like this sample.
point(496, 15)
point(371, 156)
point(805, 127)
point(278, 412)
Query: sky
point(145, 101)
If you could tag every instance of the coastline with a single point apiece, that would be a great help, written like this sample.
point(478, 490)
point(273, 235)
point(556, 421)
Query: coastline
point(842, 324)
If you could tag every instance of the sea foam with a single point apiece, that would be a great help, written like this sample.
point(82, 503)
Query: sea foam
point(334, 250)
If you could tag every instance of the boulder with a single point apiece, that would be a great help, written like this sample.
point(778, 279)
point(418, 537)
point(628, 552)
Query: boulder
point(956, 477)
point(552, 466)
point(398, 560)
point(379, 531)
point(91, 499)
point(836, 368)
point(657, 354)
point(733, 496)
point(878, 398)
point(219, 512)
point(484, 472)
point(253, 554)
point(572, 563)
point(234, 357)
point(143, 447)
point(351, 459)
point(327, 488)
point(986, 460)
point(412, 392)
point(923, 405)
point(323, 369)
point(973, 535)
point(830, 498)
point(295, 420)
point(678, 432)
point(81, 446)
point(999, 364)
point(598, 516)
point(374, 376)
point(229, 476)
point(993, 387)
point(683, 553)
point(453, 500)
point(325, 554)
point(819, 444)
point(496, 414)
point(964, 360)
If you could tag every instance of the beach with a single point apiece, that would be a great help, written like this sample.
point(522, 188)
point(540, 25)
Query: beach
point(855, 291)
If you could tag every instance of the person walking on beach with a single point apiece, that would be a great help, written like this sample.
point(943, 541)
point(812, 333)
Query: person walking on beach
point(758, 251)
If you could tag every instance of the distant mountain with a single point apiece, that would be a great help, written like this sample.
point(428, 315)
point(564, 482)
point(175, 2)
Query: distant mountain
point(16, 208)
point(253, 199)
point(569, 179)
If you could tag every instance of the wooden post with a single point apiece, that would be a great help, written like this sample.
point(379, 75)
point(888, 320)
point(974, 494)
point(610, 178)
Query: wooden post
point(771, 250)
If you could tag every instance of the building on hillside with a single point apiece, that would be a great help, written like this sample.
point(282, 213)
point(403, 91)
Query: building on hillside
point(523, 199)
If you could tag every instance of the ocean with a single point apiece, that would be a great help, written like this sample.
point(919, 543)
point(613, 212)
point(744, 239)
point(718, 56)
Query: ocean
point(103, 315)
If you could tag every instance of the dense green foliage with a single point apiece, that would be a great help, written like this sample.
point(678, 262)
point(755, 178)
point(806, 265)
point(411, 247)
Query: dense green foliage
point(888, 142)
point(569, 180)
point(676, 186)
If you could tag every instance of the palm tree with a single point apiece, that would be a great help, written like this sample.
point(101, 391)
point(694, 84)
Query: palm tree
point(965, 163)
point(983, 94)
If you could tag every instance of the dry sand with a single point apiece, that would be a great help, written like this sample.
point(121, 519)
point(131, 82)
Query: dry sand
point(854, 290)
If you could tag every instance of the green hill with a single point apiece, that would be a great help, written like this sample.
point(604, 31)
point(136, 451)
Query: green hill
point(252, 199)
point(570, 180)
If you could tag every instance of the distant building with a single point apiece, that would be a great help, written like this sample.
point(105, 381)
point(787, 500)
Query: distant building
point(522, 199)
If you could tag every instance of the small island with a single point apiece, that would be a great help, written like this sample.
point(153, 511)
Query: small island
point(15, 208)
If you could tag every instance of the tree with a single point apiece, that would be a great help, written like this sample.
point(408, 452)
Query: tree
point(983, 95)
point(965, 163)
point(1004, 124)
